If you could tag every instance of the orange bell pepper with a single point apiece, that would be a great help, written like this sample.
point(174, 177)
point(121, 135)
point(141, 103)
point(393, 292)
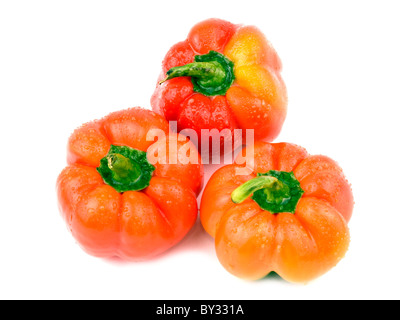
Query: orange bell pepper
point(114, 201)
point(288, 213)
point(225, 77)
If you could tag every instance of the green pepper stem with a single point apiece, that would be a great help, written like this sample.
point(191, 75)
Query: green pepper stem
point(126, 169)
point(212, 74)
point(201, 70)
point(122, 167)
point(248, 188)
point(274, 191)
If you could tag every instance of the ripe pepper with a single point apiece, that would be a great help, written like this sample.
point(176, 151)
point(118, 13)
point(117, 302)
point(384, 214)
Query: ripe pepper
point(285, 211)
point(114, 201)
point(224, 77)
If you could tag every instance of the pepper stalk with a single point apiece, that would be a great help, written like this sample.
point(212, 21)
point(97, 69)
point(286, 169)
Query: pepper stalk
point(274, 191)
point(126, 169)
point(212, 74)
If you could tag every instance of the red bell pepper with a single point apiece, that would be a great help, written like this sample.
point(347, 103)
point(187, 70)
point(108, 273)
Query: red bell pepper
point(224, 77)
point(283, 211)
point(114, 201)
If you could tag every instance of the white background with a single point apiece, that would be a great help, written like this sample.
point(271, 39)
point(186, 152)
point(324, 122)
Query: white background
point(63, 63)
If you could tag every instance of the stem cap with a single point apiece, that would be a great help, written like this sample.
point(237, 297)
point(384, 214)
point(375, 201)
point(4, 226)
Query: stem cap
point(126, 169)
point(212, 74)
point(274, 191)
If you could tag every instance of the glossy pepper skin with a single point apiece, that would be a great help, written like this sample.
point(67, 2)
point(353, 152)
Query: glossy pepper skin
point(256, 100)
point(133, 225)
point(252, 242)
